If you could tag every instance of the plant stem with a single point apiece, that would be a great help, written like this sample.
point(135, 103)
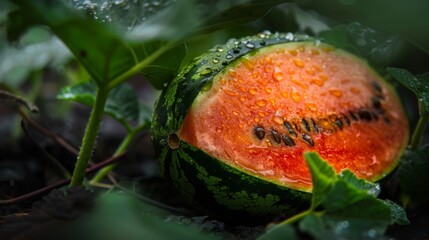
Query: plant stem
point(139, 66)
point(121, 149)
point(418, 132)
point(132, 132)
point(296, 217)
point(90, 136)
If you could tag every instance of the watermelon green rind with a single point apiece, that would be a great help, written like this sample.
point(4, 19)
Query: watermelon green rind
point(202, 179)
point(221, 187)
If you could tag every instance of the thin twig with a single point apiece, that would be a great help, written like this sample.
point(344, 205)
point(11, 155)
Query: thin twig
point(60, 167)
point(48, 133)
point(58, 139)
point(11, 99)
point(58, 184)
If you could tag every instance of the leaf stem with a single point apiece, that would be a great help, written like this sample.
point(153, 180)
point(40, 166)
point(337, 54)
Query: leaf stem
point(296, 217)
point(90, 137)
point(418, 132)
point(139, 66)
point(120, 150)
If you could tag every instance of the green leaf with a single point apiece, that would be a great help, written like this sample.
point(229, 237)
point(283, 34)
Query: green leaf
point(397, 213)
point(122, 103)
point(413, 175)
point(18, 62)
point(348, 206)
point(164, 68)
point(100, 50)
point(279, 232)
point(330, 227)
point(323, 177)
point(349, 213)
point(123, 14)
point(369, 187)
point(379, 48)
point(345, 200)
point(418, 84)
point(406, 18)
point(119, 216)
point(221, 14)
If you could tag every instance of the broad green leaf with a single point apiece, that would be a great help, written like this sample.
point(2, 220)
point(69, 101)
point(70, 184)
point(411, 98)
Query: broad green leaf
point(369, 187)
point(323, 177)
point(349, 213)
point(164, 68)
point(279, 232)
point(397, 213)
point(172, 23)
point(324, 226)
point(346, 200)
point(418, 84)
point(347, 206)
point(124, 14)
point(119, 216)
point(380, 49)
point(406, 18)
point(314, 225)
point(221, 14)
point(413, 175)
point(122, 103)
point(36, 50)
point(99, 49)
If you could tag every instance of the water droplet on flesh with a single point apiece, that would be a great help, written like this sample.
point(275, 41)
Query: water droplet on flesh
point(261, 102)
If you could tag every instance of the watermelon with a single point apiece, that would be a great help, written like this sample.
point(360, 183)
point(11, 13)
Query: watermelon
point(231, 129)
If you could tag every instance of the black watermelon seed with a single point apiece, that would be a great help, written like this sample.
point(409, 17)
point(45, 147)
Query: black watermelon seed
point(259, 132)
point(346, 120)
point(377, 86)
point(353, 116)
point(289, 128)
point(307, 138)
point(339, 123)
point(276, 136)
point(305, 124)
point(381, 111)
point(364, 115)
point(314, 125)
point(386, 119)
point(288, 141)
point(376, 103)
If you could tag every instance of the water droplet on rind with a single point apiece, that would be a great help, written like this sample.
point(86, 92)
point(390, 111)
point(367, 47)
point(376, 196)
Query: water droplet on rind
point(206, 71)
point(207, 86)
point(250, 45)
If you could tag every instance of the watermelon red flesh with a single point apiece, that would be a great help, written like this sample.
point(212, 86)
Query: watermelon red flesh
point(335, 104)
